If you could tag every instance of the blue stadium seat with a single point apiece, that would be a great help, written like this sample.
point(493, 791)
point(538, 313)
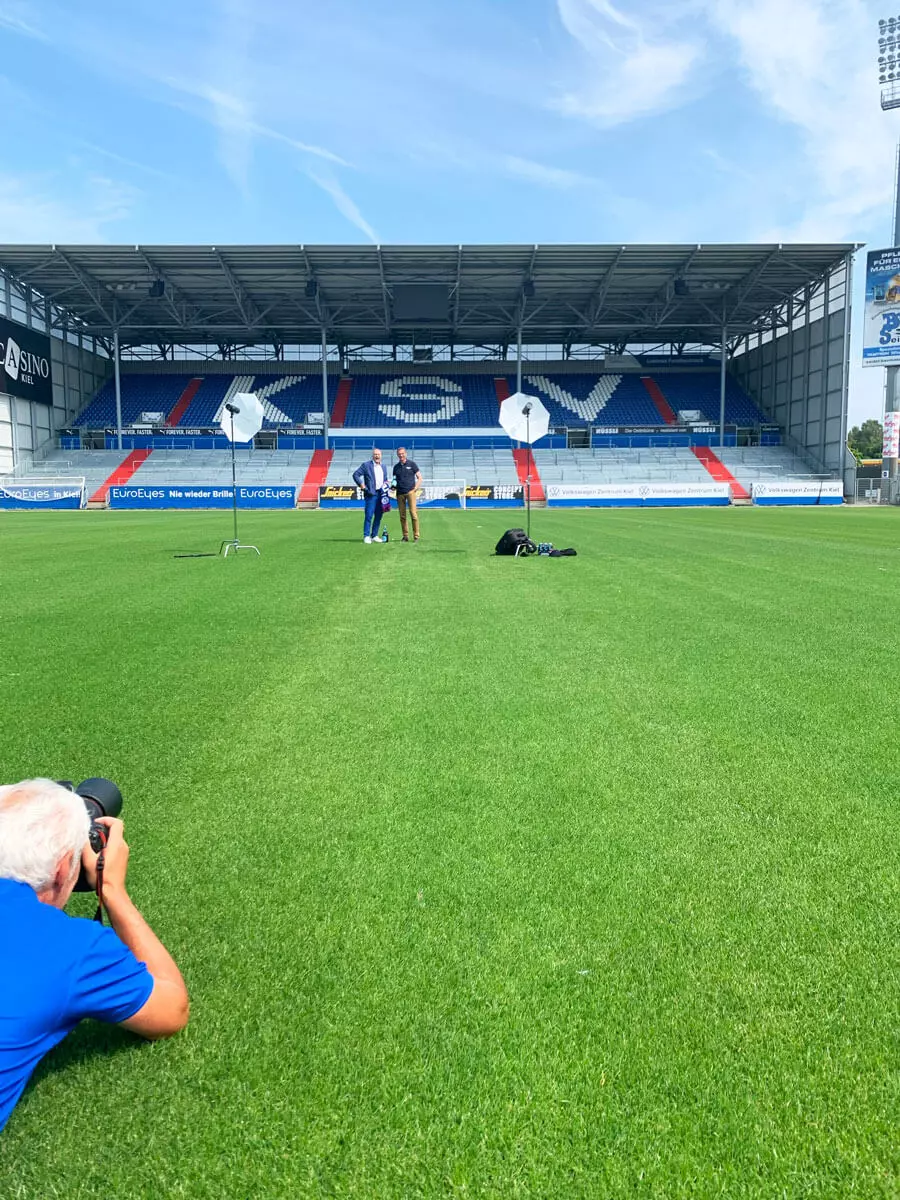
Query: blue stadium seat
point(700, 390)
point(591, 399)
point(416, 401)
point(288, 398)
point(201, 411)
point(140, 393)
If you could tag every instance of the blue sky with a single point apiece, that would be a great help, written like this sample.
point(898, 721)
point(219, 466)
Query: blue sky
point(219, 121)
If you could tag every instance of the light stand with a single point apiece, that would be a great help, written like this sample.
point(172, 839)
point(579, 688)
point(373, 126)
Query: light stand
point(527, 412)
point(234, 544)
point(516, 413)
point(889, 78)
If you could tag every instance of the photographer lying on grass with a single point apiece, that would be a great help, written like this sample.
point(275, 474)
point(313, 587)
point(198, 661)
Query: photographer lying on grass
point(55, 970)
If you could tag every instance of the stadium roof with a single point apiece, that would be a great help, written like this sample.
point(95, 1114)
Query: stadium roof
point(599, 294)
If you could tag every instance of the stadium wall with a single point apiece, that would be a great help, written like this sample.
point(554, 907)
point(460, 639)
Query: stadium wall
point(797, 370)
point(27, 428)
point(77, 371)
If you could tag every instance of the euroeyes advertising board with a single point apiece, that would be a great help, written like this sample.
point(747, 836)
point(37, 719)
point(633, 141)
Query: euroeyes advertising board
point(201, 497)
point(30, 497)
point(881, 322)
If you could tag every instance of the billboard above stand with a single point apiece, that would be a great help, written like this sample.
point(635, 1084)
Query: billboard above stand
point(881, 324)
point(25, 363)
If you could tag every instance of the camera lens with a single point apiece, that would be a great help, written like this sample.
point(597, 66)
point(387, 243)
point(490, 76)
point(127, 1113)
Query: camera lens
point(104, 794)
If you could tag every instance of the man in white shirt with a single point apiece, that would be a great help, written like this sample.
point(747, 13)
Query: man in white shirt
point(369, 477)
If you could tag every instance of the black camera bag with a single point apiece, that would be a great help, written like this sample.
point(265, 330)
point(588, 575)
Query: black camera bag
point(516, 541)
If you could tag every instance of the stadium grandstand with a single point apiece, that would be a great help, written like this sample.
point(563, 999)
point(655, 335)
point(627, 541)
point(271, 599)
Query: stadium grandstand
point(659, 365)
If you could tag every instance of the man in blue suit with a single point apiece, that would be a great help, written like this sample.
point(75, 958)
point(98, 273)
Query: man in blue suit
point(370, 478)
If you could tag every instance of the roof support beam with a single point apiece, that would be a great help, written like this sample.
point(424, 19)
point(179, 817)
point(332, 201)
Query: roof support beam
point(456, 286)
point(93, 288)
point(746, 285)
point(325, 317)
point(245, 302)
point(257, 293)
point(385, 294)
point(187, 313)
point(597, 300)
point(664, 302)
point(529, 275)
point(22, 276)
point(535, 312)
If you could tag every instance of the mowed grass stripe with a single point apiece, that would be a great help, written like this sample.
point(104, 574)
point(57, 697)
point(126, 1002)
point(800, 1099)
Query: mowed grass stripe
point(499, 878)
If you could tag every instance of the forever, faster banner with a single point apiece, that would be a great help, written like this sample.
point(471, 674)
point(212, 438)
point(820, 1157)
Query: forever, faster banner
point(881, 324)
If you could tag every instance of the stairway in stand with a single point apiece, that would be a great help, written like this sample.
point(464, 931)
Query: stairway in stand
point(316, 474)
point(120, 475)
point(721, 474)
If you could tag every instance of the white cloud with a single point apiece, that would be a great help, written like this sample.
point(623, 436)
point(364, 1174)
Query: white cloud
point(812, 64)
point(231, 114)
point(132, 163)
point(303, 147)
point(236, 86)
point(31, 211)
point(343, 203)
point(17, 18)
point(629, 74)
point(540, 173)
point(232, 118)
point(727, 167)
point(227, 90)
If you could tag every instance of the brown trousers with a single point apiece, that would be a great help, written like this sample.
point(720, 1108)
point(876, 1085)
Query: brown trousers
point(408, 501)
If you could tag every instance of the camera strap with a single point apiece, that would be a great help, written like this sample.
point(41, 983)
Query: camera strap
point(101, 863)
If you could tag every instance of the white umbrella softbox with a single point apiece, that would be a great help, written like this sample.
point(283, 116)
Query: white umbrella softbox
point(246, 421)
point(524, 418)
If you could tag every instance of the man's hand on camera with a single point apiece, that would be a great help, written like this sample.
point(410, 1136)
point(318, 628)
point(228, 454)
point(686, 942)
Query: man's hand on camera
point(115, 857)
point(167, 1008)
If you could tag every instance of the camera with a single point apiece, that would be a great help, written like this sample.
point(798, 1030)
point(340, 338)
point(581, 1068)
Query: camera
point(102, 798)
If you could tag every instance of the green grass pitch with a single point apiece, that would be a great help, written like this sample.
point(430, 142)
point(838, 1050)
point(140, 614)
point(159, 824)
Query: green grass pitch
point(495, 878)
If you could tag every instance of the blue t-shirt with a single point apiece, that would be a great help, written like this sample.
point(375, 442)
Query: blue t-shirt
point(54, 971)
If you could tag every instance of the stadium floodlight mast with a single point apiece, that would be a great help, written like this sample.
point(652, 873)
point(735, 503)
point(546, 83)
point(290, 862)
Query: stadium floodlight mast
point(889, 78)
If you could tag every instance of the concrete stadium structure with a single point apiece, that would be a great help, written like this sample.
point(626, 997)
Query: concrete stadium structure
point(643, 354)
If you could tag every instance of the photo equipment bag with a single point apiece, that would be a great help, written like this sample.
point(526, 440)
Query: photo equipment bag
point(516, 542)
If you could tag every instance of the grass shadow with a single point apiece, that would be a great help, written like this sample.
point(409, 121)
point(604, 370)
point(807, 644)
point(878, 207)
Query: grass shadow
point(90, 1039)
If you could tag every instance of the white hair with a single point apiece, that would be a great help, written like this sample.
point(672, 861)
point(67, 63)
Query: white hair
point(40, 822)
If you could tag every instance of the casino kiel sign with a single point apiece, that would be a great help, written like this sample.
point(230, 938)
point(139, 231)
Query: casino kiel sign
point(25, 363)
